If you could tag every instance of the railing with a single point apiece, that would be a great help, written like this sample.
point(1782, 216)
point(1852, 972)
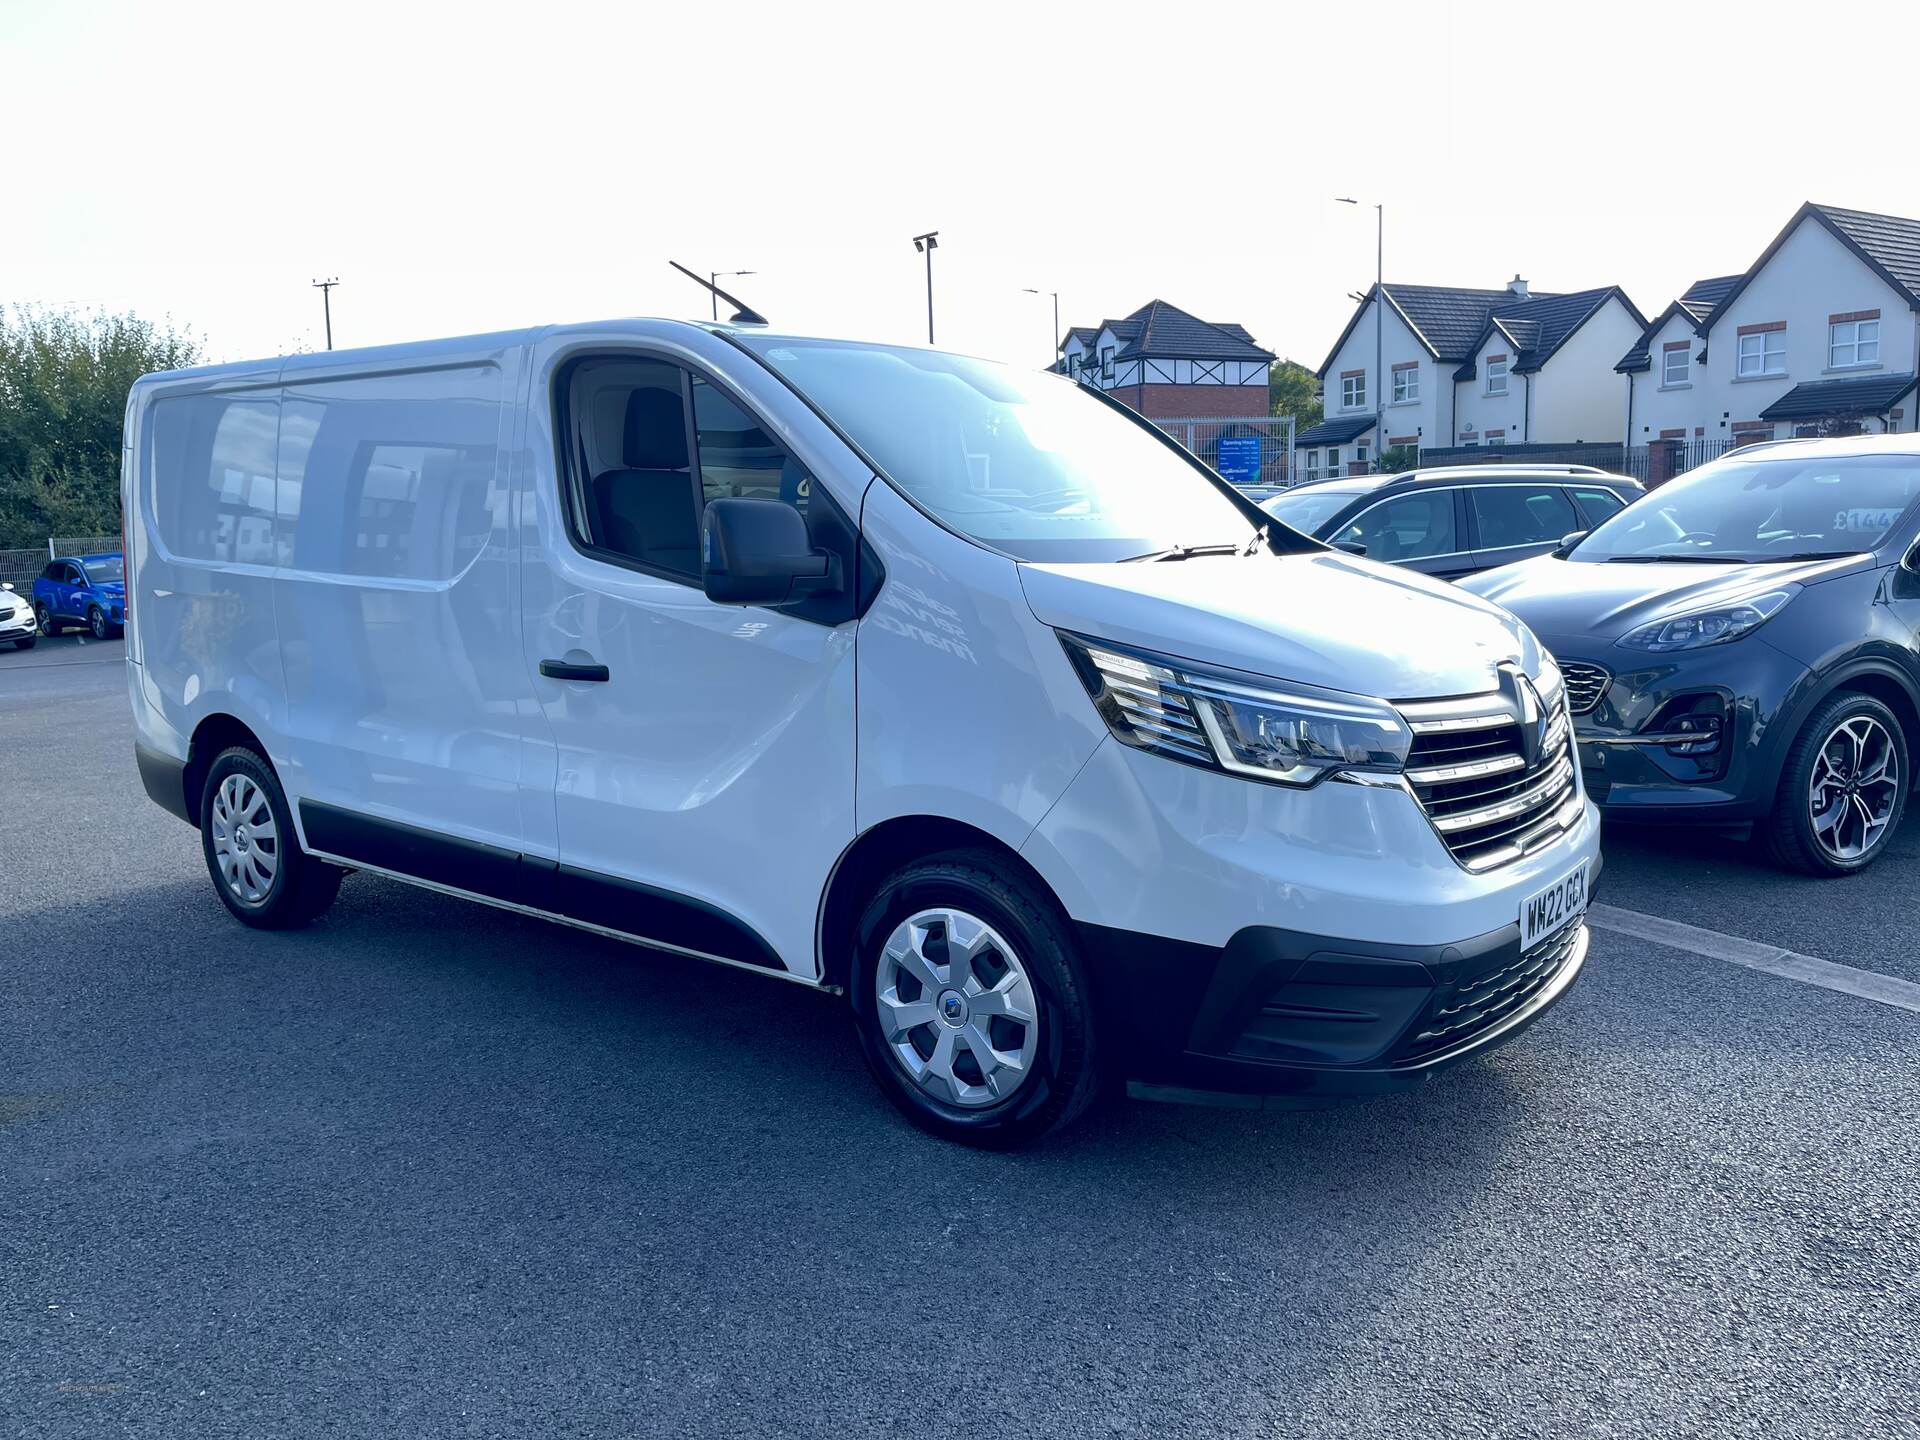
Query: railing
point(1252, 451)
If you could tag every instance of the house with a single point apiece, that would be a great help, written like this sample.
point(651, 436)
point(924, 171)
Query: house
point(1818, 336)
point(1470, 368)
point(1168, 364)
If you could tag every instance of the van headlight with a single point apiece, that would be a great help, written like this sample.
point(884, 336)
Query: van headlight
point(1220, 719)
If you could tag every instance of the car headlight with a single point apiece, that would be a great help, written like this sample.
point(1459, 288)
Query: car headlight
point(1222, 720)
point(1696, 628)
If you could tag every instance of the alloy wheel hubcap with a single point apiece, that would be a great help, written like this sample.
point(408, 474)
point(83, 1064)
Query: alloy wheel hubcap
point(246, 842)
point(1854, 788)
point(956, 1008)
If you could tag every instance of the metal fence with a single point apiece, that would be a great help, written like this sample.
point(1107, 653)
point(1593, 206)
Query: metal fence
point(21, 566)
point(1252, 451)
point(1652, 464)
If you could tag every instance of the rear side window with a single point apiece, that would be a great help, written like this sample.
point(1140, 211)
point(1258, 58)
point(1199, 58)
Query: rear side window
point(1411, 527)
point(1598, 505)
point(648, 444)
point(211, 477)
point(1521, 514)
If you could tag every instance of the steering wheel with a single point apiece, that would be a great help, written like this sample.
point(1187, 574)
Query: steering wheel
point(1705, 537)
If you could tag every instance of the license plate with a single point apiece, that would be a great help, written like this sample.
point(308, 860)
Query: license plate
point(1553, 908)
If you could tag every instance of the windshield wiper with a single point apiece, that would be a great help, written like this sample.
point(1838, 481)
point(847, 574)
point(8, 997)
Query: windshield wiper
point(1187, 552)
point(1678, 560)
point(1820, 555)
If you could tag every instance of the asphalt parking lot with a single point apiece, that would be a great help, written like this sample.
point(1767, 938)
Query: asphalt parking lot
point(428, 1168)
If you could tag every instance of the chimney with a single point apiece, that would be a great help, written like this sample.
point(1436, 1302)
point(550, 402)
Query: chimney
point(1517, 288)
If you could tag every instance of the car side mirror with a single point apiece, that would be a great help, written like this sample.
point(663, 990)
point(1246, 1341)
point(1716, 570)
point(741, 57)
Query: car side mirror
point(758, 552)
point(1352, 547)
point(1567, 542)
point(6, 584)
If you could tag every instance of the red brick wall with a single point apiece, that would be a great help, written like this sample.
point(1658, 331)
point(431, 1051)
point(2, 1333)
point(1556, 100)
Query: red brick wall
point(1200, 402)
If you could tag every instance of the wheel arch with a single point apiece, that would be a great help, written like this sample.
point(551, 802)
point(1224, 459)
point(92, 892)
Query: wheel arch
point(1884, 682)
point(215, 732)
point(875, 853)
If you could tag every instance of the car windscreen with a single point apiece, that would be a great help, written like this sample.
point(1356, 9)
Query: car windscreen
point(1020, 460)
point(106, 570)
point(1765, 508)
point(1307, 510)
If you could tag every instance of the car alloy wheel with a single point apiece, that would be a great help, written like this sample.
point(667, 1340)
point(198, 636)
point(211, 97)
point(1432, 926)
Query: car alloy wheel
point(43, 616)
point(97, 622)
point(957, 1008)
point(1854, 788)
point(246, 842)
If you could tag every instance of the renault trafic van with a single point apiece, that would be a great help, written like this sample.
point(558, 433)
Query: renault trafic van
point(952, 689)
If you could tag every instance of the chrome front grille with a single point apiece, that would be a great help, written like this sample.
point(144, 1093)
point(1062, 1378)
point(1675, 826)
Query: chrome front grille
point(1491, 796)
point(1586, 685)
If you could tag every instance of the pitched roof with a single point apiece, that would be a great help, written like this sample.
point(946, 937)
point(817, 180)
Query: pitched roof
point(1703, 297)
point(1839, 399)
point(1336, 431)
point(1540, 326)
point(1888, 245)
point(1161, 331)
point(1450, 321)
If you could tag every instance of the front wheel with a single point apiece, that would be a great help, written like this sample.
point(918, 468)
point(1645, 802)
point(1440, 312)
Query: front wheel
point(48, 625)
point(246, 830)
point(1843, 789)
point(98, 623)
point(972, 1004)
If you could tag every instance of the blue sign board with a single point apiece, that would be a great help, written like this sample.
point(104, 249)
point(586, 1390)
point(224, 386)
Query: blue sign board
point(1238, 459)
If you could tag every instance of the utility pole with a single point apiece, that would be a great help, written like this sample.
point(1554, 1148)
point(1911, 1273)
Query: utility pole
point(325, 287)
point(714, 277)
point(926, 244)
point(1055, 345)
point(1379, 397)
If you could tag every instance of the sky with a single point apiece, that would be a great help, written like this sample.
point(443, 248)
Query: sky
point(473, 167)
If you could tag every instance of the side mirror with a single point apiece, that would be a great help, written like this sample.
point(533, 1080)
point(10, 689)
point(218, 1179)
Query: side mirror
point(1352, 547)
point(6, 584)
point(1567, 542)
point(758, 552)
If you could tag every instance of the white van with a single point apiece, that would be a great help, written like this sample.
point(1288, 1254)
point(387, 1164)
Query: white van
point(954, 689)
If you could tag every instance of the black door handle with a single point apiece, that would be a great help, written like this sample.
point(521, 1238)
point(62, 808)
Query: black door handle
point(561, 670)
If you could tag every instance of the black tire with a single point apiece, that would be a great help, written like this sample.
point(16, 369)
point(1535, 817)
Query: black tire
point(1063, 1076)
point(301, 887)
point(1790, 829)
point(98, 623)
point(48, 625)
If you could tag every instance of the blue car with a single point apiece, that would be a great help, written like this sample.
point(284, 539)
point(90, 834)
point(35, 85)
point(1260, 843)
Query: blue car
point(89, 590)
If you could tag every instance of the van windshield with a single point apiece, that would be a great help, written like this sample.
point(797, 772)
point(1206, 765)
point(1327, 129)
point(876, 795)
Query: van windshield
point(1017, 459)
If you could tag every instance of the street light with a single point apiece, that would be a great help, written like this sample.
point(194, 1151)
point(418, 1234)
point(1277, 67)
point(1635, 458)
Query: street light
point(714, 295)
point(1029, 290)
point(325, 287)
point(1379, 304)
point(926, 244)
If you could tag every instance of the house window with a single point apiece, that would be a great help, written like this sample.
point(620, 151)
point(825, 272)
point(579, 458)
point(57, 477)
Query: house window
point(1762, 353)
point(1360, 454)
point(1333, 458)
point(1406, 385)
point(1073, 365)
point(1353, 391)
point(1673, 365)
point(1106, 362)
point(1313, 464)
point(1496, 440)
point(1853, 342)
point(1497, 376)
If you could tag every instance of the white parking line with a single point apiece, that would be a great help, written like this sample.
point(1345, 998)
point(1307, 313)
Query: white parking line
point(1788, 964)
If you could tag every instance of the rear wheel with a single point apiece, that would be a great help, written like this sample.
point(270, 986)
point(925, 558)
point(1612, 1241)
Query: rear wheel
point(246, 830)
point(1843, 789)
point(972, 1004)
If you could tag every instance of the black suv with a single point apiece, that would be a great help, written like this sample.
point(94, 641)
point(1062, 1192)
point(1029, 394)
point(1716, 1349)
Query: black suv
point(1742, 646)
point(1454, 522)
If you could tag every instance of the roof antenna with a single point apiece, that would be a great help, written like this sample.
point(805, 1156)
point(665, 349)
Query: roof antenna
point(744, 314)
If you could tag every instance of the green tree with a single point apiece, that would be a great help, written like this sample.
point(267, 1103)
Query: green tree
point(64, 378)
point(1293, 389)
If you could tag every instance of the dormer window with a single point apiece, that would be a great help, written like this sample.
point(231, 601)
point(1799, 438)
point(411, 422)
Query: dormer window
point(1496, 375)
point(1106, 362)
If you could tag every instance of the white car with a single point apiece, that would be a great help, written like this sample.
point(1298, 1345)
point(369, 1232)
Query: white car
point(18, 627)
point(946, 687)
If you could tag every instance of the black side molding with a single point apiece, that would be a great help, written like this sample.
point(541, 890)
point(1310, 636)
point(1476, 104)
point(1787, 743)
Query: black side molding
point(628, 906)
point(562, 670)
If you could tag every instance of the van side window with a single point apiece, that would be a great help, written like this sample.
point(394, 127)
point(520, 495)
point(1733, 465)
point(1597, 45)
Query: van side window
point(223, 451)
point(650, 444)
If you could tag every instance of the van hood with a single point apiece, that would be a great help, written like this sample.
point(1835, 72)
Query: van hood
point(1588, 599)
point(1320, 618)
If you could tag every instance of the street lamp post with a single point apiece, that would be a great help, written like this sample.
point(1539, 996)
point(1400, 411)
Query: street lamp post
point(325, 287)
point(713, 295)
point(926, 244)
point(1379, 303)
point(1055, 346)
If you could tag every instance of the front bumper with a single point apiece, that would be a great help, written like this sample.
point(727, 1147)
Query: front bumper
point(1634, 777)
point(1305, 1018)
